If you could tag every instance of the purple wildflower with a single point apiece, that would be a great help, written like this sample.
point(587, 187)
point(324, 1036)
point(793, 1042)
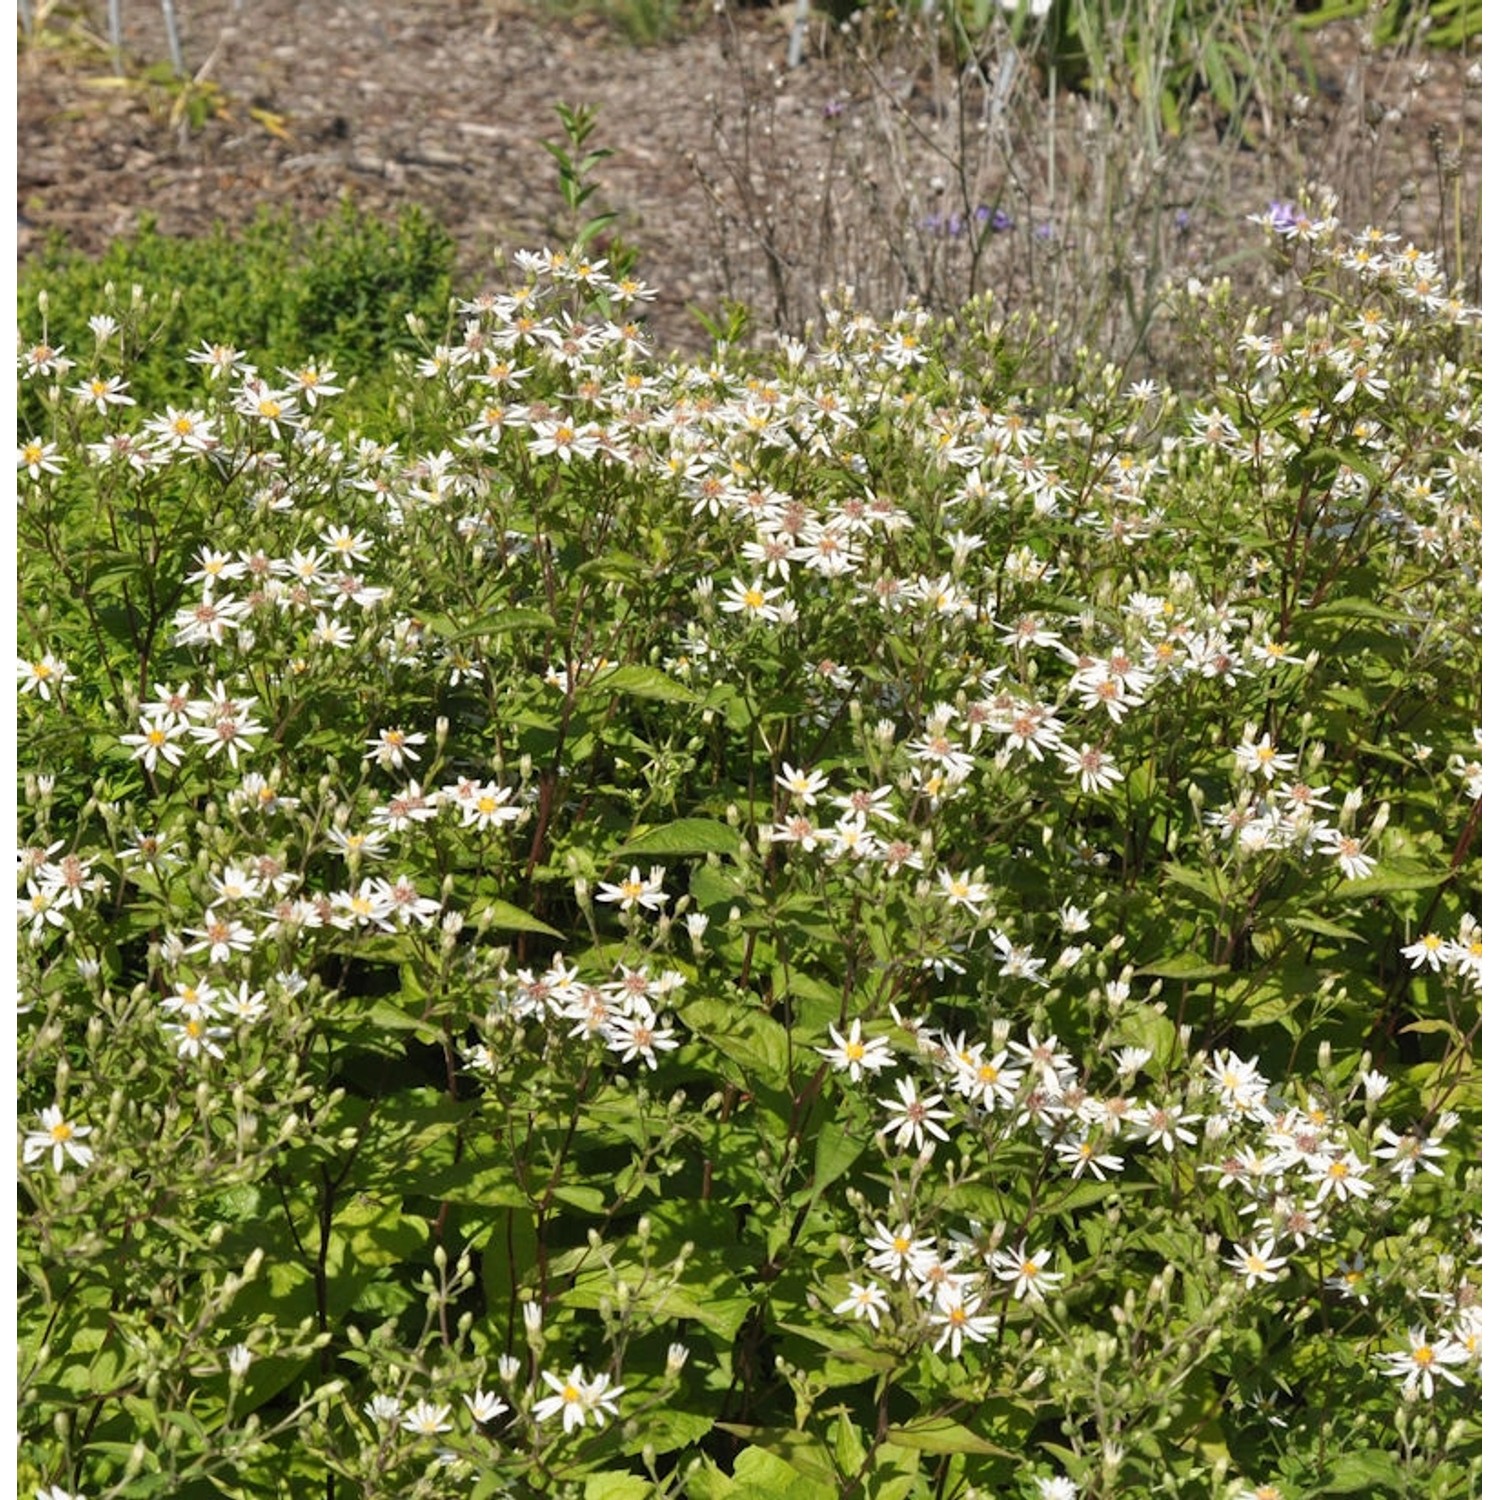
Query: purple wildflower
point(1283, 216)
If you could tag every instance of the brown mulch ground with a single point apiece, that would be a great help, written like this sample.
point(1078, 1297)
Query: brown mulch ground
point(444, 102)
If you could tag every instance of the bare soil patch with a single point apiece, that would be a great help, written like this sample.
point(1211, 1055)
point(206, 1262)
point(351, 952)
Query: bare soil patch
point(443, 103)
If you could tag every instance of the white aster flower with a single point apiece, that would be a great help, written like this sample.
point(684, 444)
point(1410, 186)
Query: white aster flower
point(966, 890)
point(958, 1317)
point(484, 1406)
point(866, 1300)
point(1417, 1364)
point(856, 1055)
point(1257, 1262)
point(60, 1137)
point(428, 1419)
point(1024, 1270)
point(916, 1119)
point(635, 891)
point(394, 748)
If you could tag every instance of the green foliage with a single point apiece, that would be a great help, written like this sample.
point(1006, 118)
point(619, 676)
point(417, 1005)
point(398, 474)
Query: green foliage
point(641, 23)
point(1163, 56)
point(842, 923)
point(1428, 23)
point(340, 291)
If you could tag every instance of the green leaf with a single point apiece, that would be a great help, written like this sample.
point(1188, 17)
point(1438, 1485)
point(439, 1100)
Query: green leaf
point(1185, 967)
point(389, 1017)
point(1324, 929)
point(1350, 1473)
point(896, 1471)
point(507, 918)
point(1143, 1025)
point(938, 1435)
point(708, 1482)
point(1357, 608)
point(721, 1315)
point(684, 837)
point(1435, 1026)
point(501, 622)
point(749, 1037)
point(848, 1448)
point(579, 1195)
point(1389, 878)
point(645, 682)
point(667, 1429)
point(470, 1182)
point(1205, 882)
point(711, 885)
point(838, 1149)
point(810, 987)
point(1220, 82)
point(616, 1487)
point(798, 1466)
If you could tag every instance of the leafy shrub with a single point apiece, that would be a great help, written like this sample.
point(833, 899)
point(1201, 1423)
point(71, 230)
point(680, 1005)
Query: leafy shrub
point(1433, 23)
point(340, 290)
point(837, 926)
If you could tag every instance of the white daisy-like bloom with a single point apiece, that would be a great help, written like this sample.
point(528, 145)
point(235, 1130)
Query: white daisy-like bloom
point(958, 1317)
point(754, 600)
point(383, 1408)
point(635, 891)
point(1416, 1365)
point(867, 1300)
point(42, 675)
point(1095, 769)
point(639, 1035)
point(59, 1136)
point(1349, 851)
point(428, 1419)
point(484, 1406)
point(857, 1055)
point(1024, 1269)
point(1057, 1487)
point(1257, 1262)
point(577, 1397)
point(490, 807)
point(899, 1254)
point(1408, 1152)
point(966, 889)
point(1163, 1125)
point(394, 748)
point(803, 785)
point(916, 1119)
point(1341, 1176)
